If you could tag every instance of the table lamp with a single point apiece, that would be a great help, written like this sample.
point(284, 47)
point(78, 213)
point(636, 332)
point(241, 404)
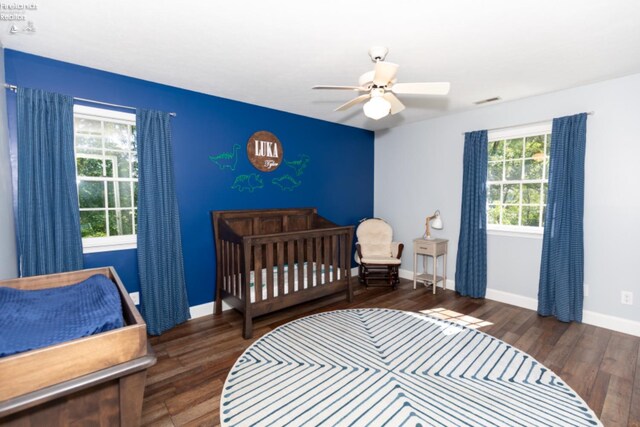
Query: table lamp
point(437, 224)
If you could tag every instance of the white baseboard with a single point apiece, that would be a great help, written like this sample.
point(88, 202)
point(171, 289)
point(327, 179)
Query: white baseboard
point(614, 323)
point(589, 317)
point(205, 309)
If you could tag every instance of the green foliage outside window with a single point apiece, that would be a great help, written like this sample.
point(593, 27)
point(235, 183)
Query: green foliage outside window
point(107, 176)
point(517, 176)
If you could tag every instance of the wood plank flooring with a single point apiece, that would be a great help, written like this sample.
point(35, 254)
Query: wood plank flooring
point(183, 388)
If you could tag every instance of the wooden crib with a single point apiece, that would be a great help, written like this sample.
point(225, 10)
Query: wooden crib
point(270, 259)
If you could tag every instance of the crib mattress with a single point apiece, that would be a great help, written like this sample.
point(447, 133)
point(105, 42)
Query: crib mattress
point(324, 278)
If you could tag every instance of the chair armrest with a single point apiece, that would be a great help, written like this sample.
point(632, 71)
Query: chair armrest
point(396, 249)
point(358, 254)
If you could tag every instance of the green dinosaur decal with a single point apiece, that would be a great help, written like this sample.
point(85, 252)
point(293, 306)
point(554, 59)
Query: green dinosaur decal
point(286, 182)
point(247, 182)
point(227, 160)
point(298, 165)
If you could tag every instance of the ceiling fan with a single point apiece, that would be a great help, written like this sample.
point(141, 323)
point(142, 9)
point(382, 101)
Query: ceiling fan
point(381, 88)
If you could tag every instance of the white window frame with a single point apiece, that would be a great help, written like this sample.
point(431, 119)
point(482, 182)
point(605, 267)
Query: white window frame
point(109, 243)
point(542, 128)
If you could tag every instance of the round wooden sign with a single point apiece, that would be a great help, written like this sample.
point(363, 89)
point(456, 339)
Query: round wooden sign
point(264, 151)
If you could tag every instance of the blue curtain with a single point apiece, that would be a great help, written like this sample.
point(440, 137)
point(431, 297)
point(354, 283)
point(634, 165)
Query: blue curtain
point(164, 301)
point(562, 268)
point(48, 218)
point(471, 262)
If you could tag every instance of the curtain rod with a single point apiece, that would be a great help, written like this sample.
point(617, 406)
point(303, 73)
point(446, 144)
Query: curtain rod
point(589, 113)
point(14, 88)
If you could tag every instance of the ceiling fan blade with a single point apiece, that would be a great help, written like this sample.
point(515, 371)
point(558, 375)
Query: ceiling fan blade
point(339, 87)
point(396, 105)
point(384, 73)
point(353, 102)
point(433, 88)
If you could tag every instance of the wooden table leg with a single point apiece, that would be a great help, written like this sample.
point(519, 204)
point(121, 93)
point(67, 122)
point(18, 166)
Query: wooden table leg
point(415, 263)
point(435, 275)
point(444, 273)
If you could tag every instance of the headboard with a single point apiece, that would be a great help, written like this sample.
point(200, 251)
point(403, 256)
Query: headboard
point(270, 221)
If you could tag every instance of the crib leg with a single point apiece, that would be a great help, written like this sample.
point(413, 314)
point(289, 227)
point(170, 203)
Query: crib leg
point(247, 327)
point(218, 306)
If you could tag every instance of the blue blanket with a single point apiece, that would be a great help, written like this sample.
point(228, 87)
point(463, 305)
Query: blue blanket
point(34, 319)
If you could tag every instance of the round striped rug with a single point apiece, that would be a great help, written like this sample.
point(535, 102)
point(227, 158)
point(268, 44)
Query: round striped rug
point(383, 367)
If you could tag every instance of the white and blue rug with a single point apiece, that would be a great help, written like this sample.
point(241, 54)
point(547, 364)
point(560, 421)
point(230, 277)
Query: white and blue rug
point(378, 367)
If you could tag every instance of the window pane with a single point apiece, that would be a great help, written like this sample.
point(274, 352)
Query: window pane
point(531, 216)
point(91, 194)
point(493, 214)
point(543, 213)
point(495, 171)
point(88, 167)
point(531, 194)
point(511, 193)
point(513, 170)
point(513, 148)
point(120, 222)
point(135, 194)
point(111, 194)
point(532, 169)
point(88, 144)
point(494, 194)
point(116, 136)
point(134, 165)
point(545, 192)
point(510, 215)
point(546, 168)
point(92, 224)
point(125, 194)
point(83, 125)
point(548, 146)
point(496, 150)
point(121, 162)
point(533, 145)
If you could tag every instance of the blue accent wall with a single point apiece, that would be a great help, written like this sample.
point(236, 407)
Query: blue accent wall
point(338, 179)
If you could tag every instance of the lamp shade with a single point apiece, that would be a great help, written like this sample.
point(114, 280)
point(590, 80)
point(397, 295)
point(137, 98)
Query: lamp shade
point(377, 108)
point(437, 222)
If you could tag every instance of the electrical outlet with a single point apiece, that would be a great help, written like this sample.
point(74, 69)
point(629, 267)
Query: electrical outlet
point(586, 290)
point(135, 297)
point(626, 297)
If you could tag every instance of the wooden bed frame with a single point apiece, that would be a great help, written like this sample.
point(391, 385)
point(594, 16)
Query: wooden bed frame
point(252, 240)
point(97, 379)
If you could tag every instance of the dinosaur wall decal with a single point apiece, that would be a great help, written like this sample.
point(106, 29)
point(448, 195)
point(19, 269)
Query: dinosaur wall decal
point(227, 160)
point(286, 182)
point(298, 165)
point(247, 182)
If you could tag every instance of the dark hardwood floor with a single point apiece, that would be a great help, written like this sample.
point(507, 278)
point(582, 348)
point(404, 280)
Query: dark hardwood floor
point(603, 366)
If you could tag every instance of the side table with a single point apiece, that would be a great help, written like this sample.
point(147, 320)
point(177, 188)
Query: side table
point(433, 248)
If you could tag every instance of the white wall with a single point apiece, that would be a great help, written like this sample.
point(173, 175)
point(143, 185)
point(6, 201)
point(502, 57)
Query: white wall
point(8, 265)
point(418, 169)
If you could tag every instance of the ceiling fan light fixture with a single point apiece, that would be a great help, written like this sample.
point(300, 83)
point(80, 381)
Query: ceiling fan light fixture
point(376, 108)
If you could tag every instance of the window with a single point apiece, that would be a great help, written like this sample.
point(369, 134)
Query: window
point(107, 178)
point(517, 178)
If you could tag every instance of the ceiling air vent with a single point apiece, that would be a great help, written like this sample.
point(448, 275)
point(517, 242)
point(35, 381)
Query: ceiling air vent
point(485, 101)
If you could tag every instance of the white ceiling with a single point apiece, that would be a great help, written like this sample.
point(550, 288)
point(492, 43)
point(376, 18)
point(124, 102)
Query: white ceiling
point(270, 53)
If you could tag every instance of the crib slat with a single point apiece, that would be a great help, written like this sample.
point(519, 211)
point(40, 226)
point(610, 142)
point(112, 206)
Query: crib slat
point(344, 255)
point(334, 257)
point(327, 259)
point(318, 260)
point(291, 264)
point(257, 272)
point(309, 260)
point(269, 268)
point(280, 255)
point(300, 247)
point(236, 269)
